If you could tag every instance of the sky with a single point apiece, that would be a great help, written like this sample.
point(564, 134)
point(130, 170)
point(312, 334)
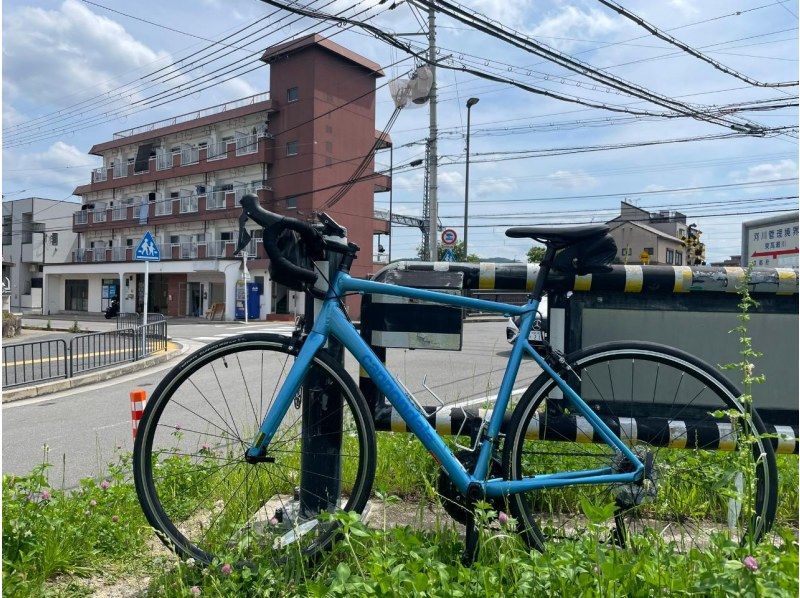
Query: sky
point(75, 72)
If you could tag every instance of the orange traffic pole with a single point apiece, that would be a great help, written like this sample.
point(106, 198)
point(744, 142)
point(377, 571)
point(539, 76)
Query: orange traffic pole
point(138, 400)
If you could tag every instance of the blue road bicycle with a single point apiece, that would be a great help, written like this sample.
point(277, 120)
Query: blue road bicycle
point(247, 442)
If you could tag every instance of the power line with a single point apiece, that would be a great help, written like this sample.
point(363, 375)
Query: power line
point(513, 37)
point(689, 49)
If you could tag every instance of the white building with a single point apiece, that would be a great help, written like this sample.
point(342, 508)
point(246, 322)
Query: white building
point(36, 231)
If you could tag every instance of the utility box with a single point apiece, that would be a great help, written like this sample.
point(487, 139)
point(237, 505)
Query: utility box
point(403, 323)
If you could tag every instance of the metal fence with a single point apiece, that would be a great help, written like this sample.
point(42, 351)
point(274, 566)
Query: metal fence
point(101, 349)
point(125, 321)
point(39, 361)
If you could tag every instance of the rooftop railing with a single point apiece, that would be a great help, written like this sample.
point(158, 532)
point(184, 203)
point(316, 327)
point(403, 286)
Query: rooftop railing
point(190, 116)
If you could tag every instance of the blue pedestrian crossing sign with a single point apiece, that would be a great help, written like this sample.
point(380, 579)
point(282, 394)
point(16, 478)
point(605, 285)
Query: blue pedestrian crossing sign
point(449, 256)
point(147, 250)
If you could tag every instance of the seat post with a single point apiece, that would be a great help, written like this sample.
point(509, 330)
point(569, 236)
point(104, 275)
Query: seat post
point(544, 271)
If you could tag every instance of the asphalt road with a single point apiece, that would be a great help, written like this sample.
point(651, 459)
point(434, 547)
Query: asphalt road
point(84, 427)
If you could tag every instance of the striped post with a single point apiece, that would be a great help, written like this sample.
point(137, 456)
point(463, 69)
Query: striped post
point(138, 400)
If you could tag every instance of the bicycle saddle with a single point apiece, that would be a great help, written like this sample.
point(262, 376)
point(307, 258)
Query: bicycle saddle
point(559, 236)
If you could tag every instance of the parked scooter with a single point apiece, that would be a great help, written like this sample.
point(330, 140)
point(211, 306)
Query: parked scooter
point(113, 310)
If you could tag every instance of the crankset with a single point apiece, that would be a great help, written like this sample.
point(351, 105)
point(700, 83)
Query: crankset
point(455, 503)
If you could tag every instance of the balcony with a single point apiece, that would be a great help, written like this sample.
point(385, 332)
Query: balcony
point(119, 254)
point(163, 206)
point(217, 151)
point(99, 254)
point(215, 248)
point(120, 212)
point(163, 161)
point(99, 215)
point(188, 251)
point(247, 144)
point(80, 217)
point(188, 204)
point(81, 255)
point(100, 174)
point(120, 170)
point(190, 155)
point(216, 200)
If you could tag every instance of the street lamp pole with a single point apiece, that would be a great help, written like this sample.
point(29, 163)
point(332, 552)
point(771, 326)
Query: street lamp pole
point(470, 103)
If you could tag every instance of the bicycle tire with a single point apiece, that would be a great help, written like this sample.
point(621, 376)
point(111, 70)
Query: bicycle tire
point(527, 507)
point(174, 530)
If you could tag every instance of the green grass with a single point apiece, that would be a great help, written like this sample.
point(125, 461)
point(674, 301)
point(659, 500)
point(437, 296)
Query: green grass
point(53, 538)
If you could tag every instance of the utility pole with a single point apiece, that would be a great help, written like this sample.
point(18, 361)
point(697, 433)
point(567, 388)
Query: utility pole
point(432, 151)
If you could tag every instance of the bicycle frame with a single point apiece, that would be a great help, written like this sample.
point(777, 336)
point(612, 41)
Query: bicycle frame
point(331, 322)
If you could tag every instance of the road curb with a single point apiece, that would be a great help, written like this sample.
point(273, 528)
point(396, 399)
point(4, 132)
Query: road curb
point(38, 390)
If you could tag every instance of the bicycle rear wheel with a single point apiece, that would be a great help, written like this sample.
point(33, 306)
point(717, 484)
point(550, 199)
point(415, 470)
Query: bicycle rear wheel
point(708, 469)
point(193, 482)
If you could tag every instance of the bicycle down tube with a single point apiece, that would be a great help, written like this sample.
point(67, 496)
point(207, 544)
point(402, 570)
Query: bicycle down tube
point(331, 321)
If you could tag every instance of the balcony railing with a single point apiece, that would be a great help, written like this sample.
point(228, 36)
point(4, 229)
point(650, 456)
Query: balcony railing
point(99, 254)
point(120, 212)
point(253, 248)
point(216, 200)
point(120, 254)
point(80, 217)
point(215, 248)
point(217, 151)
point(190, 155)
point(80, 255)
point(99, 174)
point(99, 215)
point(188, 251)
point(245, 145)
point(163, 206)
point(188, 203)
point(120, 170)
point(163, 161)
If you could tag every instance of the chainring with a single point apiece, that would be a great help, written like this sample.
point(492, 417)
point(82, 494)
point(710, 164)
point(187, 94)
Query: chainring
point(453, 501)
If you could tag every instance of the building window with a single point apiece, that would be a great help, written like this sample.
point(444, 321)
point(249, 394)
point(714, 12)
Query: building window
point(291, 148)
point(291, 203)
point(226, 236)
point(328, 161)
point(129, 243)
point(329, 147)
point(678, 258)
point(649, 250)
point(292, 94)
point(670, 256)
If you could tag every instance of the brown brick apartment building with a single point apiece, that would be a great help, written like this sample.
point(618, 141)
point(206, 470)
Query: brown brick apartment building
point(181, 179)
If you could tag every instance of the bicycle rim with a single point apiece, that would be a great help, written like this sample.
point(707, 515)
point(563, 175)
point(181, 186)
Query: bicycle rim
point(194, 484)
point(707, 472)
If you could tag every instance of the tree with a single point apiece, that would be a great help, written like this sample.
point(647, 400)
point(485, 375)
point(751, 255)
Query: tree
point(458, 251)
point(536, 254)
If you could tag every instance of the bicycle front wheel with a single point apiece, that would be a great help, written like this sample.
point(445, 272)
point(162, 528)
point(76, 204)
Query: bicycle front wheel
point(708, 468)
point(194, 484)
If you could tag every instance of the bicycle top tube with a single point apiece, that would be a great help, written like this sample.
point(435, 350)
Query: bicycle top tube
point(344, 283)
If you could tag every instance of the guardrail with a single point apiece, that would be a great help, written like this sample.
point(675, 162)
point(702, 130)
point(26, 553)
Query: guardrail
point(127, 320)
point(40, 361)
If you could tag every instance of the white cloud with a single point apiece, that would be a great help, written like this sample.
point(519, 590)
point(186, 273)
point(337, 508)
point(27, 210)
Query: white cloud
point(496, 187)
point(687, 7)
point(574, 22)
point(50, 55)
point(450, 182)
point(785, 169)
point(60, 164)
point(571, 179)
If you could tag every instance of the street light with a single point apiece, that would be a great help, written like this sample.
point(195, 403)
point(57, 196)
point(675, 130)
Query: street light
point(470, 103)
